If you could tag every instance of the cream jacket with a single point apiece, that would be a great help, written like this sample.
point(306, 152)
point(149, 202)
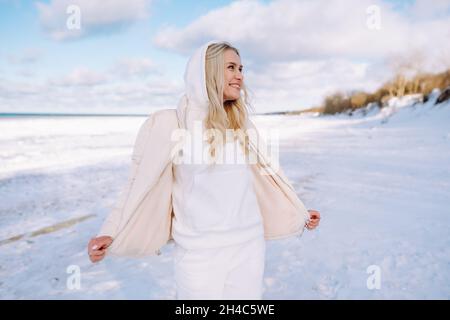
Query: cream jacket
point(140, 223)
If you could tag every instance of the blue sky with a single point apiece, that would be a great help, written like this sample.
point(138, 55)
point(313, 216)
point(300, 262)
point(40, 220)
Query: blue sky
point(130, 56)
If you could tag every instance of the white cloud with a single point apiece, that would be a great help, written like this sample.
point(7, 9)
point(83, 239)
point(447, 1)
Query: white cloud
point(26, 73)
point(135, 67)
point(124, 70)
point(291, 29)
point(295, 51)
point(12, 90)
point(28, 56)
point(425, 9)
point(120, 88)
point(95, 16)
point(80, 76)
point(75, 95)
point(303, 84)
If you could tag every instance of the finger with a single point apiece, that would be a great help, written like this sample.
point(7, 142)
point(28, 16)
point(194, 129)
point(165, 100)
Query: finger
point(96, 258)
point(315, 215)
point(311, 225)
point(104, 243)
point(92, 249)
point(93, 244)
point(99, 244)
point(97, 252)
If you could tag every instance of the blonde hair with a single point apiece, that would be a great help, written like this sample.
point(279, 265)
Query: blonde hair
point(232, 114)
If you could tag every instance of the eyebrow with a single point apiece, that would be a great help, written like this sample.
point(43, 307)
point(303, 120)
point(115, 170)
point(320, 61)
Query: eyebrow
point(235, 64)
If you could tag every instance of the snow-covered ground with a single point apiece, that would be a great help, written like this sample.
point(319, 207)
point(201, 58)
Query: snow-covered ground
point(381, 183)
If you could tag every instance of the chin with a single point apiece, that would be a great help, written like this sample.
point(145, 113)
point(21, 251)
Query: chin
point(232, 98)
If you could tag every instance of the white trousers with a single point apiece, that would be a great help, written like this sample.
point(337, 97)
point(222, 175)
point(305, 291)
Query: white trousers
point(232, 272)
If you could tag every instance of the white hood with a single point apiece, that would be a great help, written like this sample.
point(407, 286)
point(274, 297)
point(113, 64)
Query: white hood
point(193, 105)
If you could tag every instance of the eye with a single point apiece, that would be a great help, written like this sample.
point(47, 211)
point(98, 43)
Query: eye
point(230, 67)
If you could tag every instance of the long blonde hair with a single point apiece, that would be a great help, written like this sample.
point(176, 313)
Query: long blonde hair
point(232, 114)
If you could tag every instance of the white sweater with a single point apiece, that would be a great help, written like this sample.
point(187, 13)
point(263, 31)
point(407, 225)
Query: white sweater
point(215, 206)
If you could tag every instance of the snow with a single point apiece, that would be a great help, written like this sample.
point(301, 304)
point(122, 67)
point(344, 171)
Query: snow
point(380, 181)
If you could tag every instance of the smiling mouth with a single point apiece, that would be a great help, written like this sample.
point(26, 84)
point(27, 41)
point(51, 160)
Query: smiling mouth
point(236, 86)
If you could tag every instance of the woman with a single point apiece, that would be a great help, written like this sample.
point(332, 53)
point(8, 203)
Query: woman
point(218, 214)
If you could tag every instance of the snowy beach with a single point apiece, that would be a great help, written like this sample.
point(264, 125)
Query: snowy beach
point(380, 181)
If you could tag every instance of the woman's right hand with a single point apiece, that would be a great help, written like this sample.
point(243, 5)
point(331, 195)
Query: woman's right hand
point(97, 247)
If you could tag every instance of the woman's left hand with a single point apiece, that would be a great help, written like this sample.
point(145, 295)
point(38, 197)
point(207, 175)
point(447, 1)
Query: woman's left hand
point(314, 218)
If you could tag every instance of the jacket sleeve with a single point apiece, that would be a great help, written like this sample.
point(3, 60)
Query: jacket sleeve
point(112, 222)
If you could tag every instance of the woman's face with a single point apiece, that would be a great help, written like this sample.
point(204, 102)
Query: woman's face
point(233, 76)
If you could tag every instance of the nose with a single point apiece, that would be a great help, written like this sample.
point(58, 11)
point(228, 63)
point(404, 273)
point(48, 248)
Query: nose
point(239, 75)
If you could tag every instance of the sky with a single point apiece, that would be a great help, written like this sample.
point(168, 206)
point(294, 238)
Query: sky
point(129, 56)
